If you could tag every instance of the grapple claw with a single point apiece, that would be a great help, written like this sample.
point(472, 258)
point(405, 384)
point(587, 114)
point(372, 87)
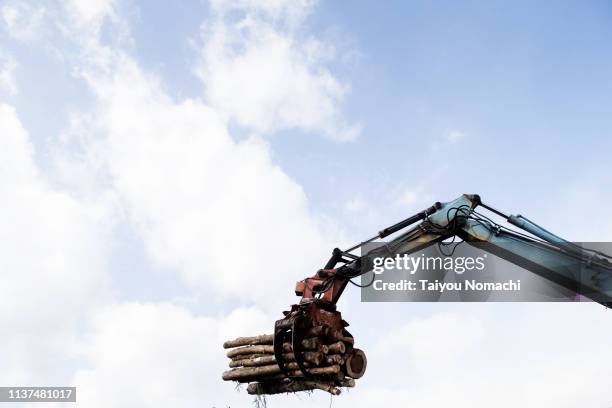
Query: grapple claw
point(282, 328)
point(291, 329)
point(298, 334)
point(308, 319)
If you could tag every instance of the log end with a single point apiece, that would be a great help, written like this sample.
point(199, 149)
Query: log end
point(356, 364)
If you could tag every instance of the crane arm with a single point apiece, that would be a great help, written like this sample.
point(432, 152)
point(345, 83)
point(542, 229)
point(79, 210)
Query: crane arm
point(583, 271)
point(535, 249)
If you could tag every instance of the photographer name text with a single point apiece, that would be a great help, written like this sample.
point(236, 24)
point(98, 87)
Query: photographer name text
point(438, 286)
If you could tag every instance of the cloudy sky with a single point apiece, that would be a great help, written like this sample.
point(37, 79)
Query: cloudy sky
point(168, 170)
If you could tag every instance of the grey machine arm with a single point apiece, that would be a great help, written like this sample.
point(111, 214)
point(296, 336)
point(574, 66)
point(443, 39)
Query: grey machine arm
point(580, 270)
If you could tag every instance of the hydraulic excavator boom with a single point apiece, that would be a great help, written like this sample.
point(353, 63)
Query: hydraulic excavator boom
point(534, 249)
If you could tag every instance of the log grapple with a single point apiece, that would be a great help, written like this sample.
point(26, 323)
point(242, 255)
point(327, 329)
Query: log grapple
point(314, 318)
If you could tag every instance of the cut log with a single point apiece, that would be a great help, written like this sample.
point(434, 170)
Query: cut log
point(267, 378)
point(264, 339)
point(312, 344)
point(333, 359)
point(313, 357)
point(336, 348)
point(348, 382)
point(250, 350)
point(247, 374)
point(253, 362)
point(329, 358)
point(295, 374)
point(333, 369)
point(249, 356)
point(337, 335)
point(237, 374)
point(268, 339)
point(251, 372)
point(323, 386)
point(291, 386)
point(355, 364)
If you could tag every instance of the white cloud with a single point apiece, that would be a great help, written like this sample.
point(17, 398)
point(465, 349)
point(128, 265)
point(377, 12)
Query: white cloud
point(8, 82)
point(409, 198)
point(431, 343)
point(264, 77)
point(160, 355)
point(290, 12)
point(451, 138)
point(217, 211)
point(52, 263)
point(454, 136)
point(528, 355)
point(413, 198)
point(90, 12)
point(22, 20)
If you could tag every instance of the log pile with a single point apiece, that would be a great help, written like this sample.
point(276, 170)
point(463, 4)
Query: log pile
point(331, 360)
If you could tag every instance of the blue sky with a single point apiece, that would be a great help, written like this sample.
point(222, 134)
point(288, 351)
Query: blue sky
point(170, 170)
point(526, 83)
